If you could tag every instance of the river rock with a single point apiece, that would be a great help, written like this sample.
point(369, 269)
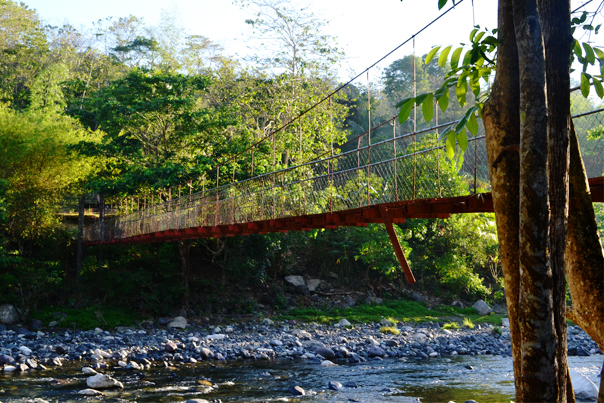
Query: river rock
point(374, 300)
point(10, 368)
point(6, 359)
point(197, 401)
point(375, 351)
point(276, 343)
point(36, 324)
point(8, 314)
point(296, 391)
point(482, 308)
point(206, 353)
point(89, 371)
point(458, 304)
point(102, 381)
point(505, 322)
point(170, 347)
point(333, 385)
point(25, 350)
point(344, 322)
point(91, 392)
point(312, 284)
point(327, 363)
point(268, 322)
point(219, 336)
point(301, 334)
point(295, 281)
point(416, 296)
point(386, 322)
point(325, 352)
point(179, 322)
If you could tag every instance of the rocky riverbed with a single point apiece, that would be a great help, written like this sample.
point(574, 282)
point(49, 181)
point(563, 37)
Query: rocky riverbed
point(138, 350)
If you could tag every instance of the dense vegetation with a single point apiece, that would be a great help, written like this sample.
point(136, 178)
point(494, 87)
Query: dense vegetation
point(129, 109)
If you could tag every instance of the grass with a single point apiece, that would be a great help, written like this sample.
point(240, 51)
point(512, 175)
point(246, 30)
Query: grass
point(395, 310)
point(468, 323)
point(89, 318)
point(390, 329)
point(451, 325)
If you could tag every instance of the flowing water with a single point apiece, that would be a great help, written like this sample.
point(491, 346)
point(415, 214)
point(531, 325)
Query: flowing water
point(490, 379)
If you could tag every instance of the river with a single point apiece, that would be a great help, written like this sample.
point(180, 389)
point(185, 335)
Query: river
point(481, 378)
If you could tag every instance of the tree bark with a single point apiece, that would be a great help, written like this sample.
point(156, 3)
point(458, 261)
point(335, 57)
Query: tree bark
point(502, 127)
point(539, 381)
point(80, 242)
point(557, 38)
point(584, 258)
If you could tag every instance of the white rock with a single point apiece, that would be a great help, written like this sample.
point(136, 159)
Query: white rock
point(301, 334)
point(229, 329)
point(215, 336)
point(90, 392)
point(447, 331)
point(505, 322)
point(10, 368)
point(24, 350)
point(434, 354)
point(103, 353)
point(482, 308)
point(98, 330)
point(419, 336)
point(276, 343)
point(312, 284)
point(89, 371)
point(96, 357)
point(295, 281)
point(101, 381)
point(583, 387)
point(217, 330)
point(328, 363)
point(178, 323)
point(264, 350)
point(268, 322)
point(8, 314)
point(122, 364)
point(344, 322)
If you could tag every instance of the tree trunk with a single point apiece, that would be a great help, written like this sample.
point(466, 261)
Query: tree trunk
point(502, 127)
point(80, 243)
point(184, 248)
point(584, 258)
point(539, 382)
point(557, 37)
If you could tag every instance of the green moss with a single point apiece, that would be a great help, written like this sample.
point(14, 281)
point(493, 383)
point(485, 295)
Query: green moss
point(89, 317)
point(391, 329)
point(468, 323)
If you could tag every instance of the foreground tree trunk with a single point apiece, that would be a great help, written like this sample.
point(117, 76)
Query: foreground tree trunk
point(540, 382)
point(502, 127)
point(584, 258)
point(557, 37)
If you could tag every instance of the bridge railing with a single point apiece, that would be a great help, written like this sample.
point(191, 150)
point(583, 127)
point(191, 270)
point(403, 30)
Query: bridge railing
point(405, 166)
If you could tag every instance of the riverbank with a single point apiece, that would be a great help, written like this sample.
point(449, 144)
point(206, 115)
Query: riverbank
point(181, 343)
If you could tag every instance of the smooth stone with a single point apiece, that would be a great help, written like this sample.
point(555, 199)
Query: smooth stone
point(9, 368)
point(335, 385)
point(53, 323)
point(386, 322)
point(505, 322)
point(482, 308)
point(301, 334)
point(102, 381)
point(89, 371)
point(179, 322)
point(6, 359)
point(344, 322)
point(312, 284)
point(8, 314)
point(417, 297)
point(268, 322)
point(375, 351)
point(295, 281)
point(296, 391)
point(215, 336)
point(276, 343)
point(327, 363)
point(25, 350)
point(325, 352)
point(351, 384)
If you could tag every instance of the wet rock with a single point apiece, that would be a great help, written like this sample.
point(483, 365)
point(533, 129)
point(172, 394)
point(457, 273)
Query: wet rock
point(351, 384)
point(327, 363)
point(333, 385)
point(375, 351)
point(22, 367)
point(6, 359)
point(296, 391)
point(482, 308)
point(10, 368)
point(325, 352)
point(89, 371)
point(206, 353)
point(102, 381)
point(8, 314)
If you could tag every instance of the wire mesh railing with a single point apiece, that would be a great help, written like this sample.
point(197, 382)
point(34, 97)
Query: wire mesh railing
point(406, 166)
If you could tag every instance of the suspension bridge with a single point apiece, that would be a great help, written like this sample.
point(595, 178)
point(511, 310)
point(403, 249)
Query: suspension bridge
point(382, 179)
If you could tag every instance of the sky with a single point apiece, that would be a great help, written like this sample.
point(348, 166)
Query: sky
point(366, 30)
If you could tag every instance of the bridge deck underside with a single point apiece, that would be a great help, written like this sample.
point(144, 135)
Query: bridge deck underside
point(398, 212)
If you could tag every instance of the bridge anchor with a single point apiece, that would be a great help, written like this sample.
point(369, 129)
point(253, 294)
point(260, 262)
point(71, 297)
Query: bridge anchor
point(397, 246)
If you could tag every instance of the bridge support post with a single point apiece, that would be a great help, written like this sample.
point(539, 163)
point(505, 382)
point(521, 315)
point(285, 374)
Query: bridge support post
point(397, 246)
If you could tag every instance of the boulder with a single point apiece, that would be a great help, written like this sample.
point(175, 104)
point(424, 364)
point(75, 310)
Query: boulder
point(102, 381)
point(375, 351)
point(206, 353)
point(296, 391)
point(325, 352)
point(6, 359)
point(386, 322)
point(8, 314)
point(301, 334)
point(505, 322)
point(482, 308)
point(178, 323)
point(36, 324)
point(333, 385)
point(295, 281)
point(312, 284)
point(344, 322)
point(458, 304)
point(268, 322)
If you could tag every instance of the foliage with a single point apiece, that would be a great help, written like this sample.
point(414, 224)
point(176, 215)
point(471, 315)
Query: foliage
point(88, 318)
point(390, 329)
point(468, 323)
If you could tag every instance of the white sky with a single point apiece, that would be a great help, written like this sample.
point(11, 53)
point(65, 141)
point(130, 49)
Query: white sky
point(366, 30)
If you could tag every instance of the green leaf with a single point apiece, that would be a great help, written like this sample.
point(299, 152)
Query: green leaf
point(462, 140)
point(589, 53)
point(420, 98)
point(431, 54)
point(472, 124)
point(404, 101)
point(577, 49)
point(428, 107)
point(467, 57)
point(441, 4)
point(599, 53)
point(450, 146)
point(405, 111)
point(445, 132)
point(472, 34)
point(479, 37)
point(455, 57)
point(442, 59)
point(598, 87)
point(443, 101)
point(584, 85)
point(461, 89)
